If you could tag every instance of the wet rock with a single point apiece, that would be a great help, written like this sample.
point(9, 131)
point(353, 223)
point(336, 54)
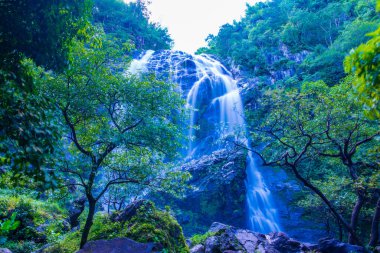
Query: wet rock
point(330, 245)
point(248, 240)
point(217, 226)
point(119, 245)
point(198, 249)
point(4, 250)
point(212, 245)
point(282, 243)
point(177, 67)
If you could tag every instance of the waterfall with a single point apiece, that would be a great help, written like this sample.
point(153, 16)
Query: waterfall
point(140, 66)
point(217, 109)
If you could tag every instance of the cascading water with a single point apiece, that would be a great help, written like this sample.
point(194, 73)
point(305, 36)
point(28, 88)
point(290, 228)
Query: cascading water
point(217, 109)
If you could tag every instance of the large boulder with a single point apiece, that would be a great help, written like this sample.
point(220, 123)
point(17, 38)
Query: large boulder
point(120, 245)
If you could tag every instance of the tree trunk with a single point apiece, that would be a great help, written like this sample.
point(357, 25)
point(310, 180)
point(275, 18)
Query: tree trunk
point(340, 231)
point(327, 202)
point(89, 220)
point(355, 215)
point(375, 226)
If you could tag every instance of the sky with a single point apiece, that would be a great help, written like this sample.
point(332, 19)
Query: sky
point(190, 21)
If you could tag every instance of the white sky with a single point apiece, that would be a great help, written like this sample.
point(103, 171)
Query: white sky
point(191, 21)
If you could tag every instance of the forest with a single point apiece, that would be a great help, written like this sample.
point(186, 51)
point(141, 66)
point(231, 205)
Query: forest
point(110, 141)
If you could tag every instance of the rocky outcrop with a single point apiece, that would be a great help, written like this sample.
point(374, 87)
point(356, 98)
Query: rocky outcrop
point(120, 245)
point(229, 239)
point(3, 250)
point(217, 193)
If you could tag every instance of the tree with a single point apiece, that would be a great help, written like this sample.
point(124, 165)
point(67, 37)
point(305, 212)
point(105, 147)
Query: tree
point(129, 22)
point(33, 33)
point(281, 40)
point(364, 63)
point(29, 131)
point(41, 30)
point(320, 124)
point(119, 128)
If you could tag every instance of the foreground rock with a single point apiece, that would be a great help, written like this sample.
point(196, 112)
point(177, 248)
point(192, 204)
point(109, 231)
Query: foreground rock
point(229, 239)
point(120, 245)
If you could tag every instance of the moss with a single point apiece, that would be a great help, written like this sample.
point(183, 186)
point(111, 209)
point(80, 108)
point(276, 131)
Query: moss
point(41, 222)
point(69, 244)
point(148, 225)
point(200, 239)
point(21, 247)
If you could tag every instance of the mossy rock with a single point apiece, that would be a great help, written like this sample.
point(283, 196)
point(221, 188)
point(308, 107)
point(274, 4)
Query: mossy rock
point(148, 225)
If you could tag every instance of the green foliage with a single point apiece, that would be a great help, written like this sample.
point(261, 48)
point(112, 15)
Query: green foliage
point(148, 225)
point(200, 239)
point(106, 111)
point(273, 32)
point(310, 127)
point(364, 63)
point(40, 30)
point(120, 127)
point(29, 131)
point(30, 223)
point(22, 246)
point(7, 226)
point(129, 22)
point(94, 92)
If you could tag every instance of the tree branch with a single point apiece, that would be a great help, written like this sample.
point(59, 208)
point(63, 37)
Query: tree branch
point(74, 135)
